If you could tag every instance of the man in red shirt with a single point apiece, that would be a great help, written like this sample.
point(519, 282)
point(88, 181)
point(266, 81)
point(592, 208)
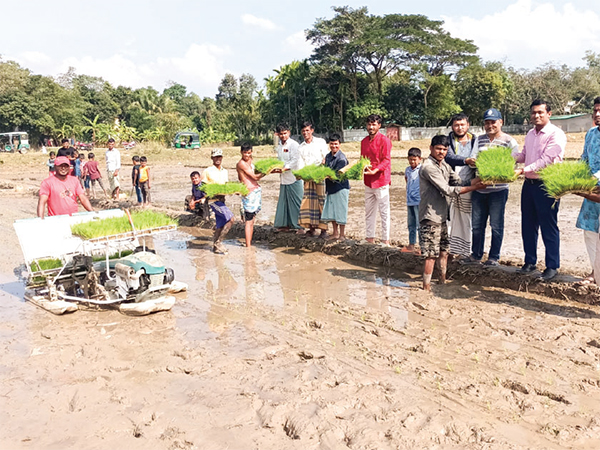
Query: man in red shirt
point(378, 148)
point(60, 191)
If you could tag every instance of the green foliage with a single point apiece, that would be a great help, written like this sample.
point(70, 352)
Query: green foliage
point(315, 173)
point(356, 171)
point(496, 165)
point(267, 165)
point(142, 220)
point(568, 177)
point(45, 264)
point(231, 188)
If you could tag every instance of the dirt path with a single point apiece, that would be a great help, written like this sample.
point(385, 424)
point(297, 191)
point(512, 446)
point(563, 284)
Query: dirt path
point(281, 347)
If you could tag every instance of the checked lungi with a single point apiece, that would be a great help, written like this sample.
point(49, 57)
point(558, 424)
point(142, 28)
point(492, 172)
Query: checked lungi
point(312, 204)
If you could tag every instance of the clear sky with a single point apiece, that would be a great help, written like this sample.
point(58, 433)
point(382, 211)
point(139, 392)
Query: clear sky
point(152, 42)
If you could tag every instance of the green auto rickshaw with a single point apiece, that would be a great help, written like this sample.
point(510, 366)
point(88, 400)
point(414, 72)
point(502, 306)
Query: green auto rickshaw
point(186, 139)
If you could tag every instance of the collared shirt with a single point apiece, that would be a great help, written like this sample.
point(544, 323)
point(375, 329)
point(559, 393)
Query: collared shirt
point(113, 160)
point(289, 153)
point(541, 149)
point(336, 163)
point(437, 183)
point(483, 142)
point(213, 175)
point(379, 152)
point(413, 195)
point(589, 214)
point(315, 152)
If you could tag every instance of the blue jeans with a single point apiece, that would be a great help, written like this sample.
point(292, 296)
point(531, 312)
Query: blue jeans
point(539, 212)
point(413, 224)
point(138, 192)
point(490, 205)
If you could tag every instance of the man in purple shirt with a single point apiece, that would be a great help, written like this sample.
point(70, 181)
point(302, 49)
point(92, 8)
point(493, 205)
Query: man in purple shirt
point(544, 145)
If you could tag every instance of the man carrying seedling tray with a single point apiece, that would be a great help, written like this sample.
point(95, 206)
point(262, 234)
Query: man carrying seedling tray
point(437, 184)
point(224, 217)
point(544, 145)
point(491, 201)
point(589, 215)
point(312, 151)
point(291, 190)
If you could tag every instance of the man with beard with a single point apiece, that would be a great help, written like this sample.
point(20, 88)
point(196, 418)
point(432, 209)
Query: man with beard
point(460, 158)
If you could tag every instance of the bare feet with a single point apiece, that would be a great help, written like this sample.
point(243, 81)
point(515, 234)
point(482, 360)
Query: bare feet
point(371, 240)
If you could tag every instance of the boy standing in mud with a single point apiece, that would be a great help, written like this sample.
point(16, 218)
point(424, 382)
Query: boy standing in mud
point(437, 184)
point(413, 197)
point(252, 202)
point(223, 215)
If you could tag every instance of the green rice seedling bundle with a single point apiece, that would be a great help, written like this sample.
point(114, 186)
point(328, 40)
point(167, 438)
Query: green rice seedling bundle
point(214, 189)
point(267, 165)
point(568, 177)
point(356, 171)
point(142, 220)
point(496, 165)
point(45, 264)
point(315, 173)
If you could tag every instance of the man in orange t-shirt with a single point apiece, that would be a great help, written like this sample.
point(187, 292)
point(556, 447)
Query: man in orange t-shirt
point(60, 191)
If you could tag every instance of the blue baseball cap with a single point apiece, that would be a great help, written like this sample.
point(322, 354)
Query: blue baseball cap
point(492, 114)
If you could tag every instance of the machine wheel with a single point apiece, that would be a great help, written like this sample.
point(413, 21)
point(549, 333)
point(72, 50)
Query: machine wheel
point(169, 275)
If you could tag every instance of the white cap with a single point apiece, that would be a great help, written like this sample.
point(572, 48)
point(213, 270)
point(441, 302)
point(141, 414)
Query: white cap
point(216, 152)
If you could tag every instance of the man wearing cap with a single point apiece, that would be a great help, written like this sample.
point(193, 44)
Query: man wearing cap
point(113, 165)
point(544, 145)
point(224, 217)
point(60, 191)
point(491, 201)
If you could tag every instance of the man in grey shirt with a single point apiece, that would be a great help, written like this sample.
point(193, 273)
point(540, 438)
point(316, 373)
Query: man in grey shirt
point(438, 183)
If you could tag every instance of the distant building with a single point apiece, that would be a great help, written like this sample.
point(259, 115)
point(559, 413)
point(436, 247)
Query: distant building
point(573, 123)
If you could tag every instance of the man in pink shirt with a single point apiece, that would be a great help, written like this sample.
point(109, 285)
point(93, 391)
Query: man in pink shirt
point(544, 145)
point(378, 148)
point(60, 191)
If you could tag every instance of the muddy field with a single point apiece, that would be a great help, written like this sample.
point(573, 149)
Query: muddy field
point(281, 347)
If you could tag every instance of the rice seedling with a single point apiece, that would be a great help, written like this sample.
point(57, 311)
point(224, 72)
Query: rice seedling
point(45, 264)
point(496, 165)
point(568, 177)
point(315, 173)
point(142, 220)
point(356, 171)
point(213, 189)
point(267, 165)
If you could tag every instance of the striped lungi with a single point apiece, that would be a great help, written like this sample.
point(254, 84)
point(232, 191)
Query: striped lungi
point(311, 207)
point(460, 228)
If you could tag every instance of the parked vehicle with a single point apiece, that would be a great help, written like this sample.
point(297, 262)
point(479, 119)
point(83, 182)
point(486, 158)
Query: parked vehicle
point(186, 139)
point(84, 146)
point(17, 141)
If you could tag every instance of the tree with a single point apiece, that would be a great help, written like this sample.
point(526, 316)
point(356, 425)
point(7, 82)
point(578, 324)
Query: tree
point(480, 87)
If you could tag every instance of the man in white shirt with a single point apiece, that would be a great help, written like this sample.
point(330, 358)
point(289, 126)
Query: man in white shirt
point(290, 190)
point(113, 165)
point(312, 151)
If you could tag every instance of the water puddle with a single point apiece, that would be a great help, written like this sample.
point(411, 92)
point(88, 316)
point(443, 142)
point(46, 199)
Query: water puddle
point(226, 287)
